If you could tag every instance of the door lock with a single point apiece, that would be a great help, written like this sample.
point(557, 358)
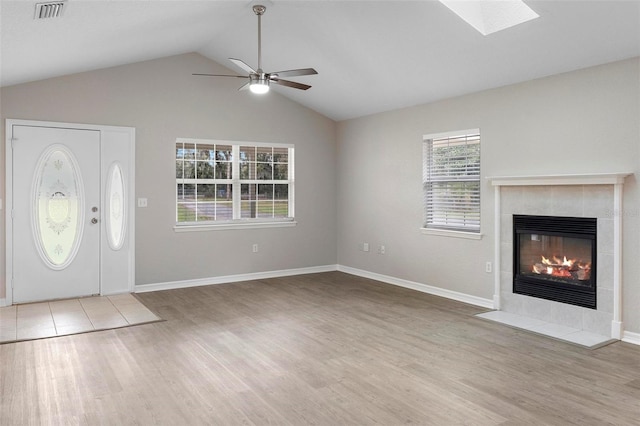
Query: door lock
point(94, 220)
point(94, 209)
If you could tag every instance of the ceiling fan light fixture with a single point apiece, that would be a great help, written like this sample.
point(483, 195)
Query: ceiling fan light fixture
point(258, 83)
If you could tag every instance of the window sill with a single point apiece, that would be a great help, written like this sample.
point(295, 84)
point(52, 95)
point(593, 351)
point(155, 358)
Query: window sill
point(236, 225)
point(453, 234)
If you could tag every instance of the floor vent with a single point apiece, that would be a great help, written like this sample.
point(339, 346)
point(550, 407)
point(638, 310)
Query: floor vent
point(49, 10)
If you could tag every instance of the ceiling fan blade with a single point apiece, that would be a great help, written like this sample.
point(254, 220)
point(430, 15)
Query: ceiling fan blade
point(222, 75)
point(244, 87)
point(294, 73)
point(240, 64)
point(290, 84)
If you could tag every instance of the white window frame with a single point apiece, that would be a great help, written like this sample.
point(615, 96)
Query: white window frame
point(238, 222)
point(445, 228)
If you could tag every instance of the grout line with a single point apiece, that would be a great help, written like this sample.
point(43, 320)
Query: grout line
point(120, 313)
point(53, 320)
point(87, 315)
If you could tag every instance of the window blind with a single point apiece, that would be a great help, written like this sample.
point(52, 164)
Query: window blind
point(451, 180)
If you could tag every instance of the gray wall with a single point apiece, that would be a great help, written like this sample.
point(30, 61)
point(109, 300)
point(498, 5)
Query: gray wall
point(579, 122)
point(163, 101)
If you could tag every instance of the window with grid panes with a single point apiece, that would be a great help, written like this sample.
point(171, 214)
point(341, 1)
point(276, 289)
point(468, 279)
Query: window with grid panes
point(229, 182)
point(451, 181)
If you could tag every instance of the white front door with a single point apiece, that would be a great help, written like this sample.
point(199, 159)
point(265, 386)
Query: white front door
point(56, 213)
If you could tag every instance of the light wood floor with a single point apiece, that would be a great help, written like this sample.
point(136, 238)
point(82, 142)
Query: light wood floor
point(323, 349)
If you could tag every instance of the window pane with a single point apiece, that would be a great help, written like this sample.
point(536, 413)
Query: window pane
point(281, 209)
point(247, 153)
point(265, 171)
point(223, 170)
point(281, 192)
point(205, 170)
point(265, 154)
point(205, 151)
point(224, 192)
point(280, 172)
point(248, 191)
point(280, 155)
point(206, 211)
point(248, 209)
point(179, 169)
point(224, 210)
point(189, 192)
point(189, 151)
point(265, 208)
point(186, 212)
point(179, 150)
point(265, 192)
point(206, 192)
point(189, 170)
point(245, 171)
point(223, 152)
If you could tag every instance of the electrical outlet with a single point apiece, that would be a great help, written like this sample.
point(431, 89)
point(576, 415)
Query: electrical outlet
point(255, 248)
point(488, 267)
point(365, 246)
point(382, 249)
point(142, 202)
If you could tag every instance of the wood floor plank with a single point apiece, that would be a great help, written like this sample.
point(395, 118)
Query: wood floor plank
point(322, 349)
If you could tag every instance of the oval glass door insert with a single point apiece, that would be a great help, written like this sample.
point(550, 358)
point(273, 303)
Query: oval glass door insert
point(116, 212)
point(57, 211)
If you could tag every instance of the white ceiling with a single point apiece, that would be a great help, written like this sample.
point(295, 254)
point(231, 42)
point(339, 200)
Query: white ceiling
point(371, 56)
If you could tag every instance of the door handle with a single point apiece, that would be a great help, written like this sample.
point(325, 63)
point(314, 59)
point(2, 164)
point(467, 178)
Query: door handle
point(94, 220)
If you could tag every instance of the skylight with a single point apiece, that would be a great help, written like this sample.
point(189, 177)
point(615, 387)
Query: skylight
point(489, 16)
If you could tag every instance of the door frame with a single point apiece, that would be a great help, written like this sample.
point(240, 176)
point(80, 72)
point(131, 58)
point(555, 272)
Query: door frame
point(108, 134)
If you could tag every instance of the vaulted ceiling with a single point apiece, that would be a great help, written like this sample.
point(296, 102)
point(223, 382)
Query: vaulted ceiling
point(371, 56)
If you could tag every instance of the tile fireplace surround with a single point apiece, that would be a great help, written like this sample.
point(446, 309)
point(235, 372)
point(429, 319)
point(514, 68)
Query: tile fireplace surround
point(594, 195)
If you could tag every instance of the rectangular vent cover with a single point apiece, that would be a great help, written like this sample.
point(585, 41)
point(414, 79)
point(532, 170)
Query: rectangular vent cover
point(49, 10)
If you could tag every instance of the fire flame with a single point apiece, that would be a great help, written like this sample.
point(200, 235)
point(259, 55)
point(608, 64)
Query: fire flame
point(564, 268)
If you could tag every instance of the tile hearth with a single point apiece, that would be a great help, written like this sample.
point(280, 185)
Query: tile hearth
point(556, 331)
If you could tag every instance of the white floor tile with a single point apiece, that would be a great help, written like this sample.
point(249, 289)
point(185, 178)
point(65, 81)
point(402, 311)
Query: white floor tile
point(64, 317)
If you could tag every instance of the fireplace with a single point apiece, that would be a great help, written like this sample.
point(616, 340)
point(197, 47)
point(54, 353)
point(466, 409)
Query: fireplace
point(554, 258)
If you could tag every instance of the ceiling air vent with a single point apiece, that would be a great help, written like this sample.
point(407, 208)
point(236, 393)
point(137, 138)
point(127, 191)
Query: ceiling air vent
point(49, 9)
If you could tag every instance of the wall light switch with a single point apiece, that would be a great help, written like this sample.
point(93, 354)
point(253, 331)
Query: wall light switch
point(365, 246)
point(142, 202)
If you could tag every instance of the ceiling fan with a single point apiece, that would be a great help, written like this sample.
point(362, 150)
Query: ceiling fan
point(258, 79)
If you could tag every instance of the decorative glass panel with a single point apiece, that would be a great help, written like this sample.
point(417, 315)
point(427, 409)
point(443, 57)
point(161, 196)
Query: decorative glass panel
point(116, 211)
point(57, 210)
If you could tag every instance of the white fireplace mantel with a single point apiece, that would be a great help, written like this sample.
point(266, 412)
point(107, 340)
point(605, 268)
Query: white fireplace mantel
point(615, 179)
point(585, 179)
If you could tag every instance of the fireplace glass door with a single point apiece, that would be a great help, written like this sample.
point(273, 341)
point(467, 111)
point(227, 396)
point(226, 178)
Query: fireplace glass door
point(555, 258)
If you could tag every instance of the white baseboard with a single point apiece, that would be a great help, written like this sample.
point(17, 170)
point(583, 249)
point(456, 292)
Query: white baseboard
point(3, 302)
point(627, 336)
point(143, 288)
point(424, 288)
point(630, 337)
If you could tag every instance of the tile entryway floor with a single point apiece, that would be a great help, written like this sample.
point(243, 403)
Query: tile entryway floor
point(71, 316)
